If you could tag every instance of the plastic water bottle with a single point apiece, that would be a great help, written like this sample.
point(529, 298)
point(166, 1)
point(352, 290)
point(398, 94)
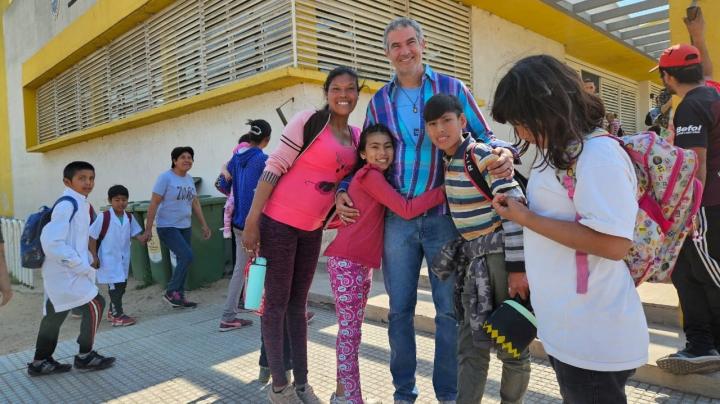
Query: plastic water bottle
point(255, 283)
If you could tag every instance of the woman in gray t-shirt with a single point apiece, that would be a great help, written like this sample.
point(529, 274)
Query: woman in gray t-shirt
point(174, 199)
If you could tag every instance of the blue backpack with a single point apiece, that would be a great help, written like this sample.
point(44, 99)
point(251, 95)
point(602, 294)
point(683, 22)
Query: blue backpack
point(31, 252)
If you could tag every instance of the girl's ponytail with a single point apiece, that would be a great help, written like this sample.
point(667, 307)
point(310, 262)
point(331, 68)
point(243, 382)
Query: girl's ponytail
point(259, 131)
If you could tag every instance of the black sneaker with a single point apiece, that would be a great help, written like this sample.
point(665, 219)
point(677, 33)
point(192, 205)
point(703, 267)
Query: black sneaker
point(186, 303)
point(94, 361)
point(174, 299)
point(47, 367)
point(685, 362)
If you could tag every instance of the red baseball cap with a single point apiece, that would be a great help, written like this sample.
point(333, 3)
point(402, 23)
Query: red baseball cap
point(679, 56)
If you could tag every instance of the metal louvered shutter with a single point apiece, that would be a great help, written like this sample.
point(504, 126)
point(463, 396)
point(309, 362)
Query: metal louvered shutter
point(446, 25)
point(194, 46)
point(345, 32)
point(620, 95)
point(188, 48)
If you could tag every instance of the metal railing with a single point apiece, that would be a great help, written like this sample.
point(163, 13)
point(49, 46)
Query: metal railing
point(12, 230)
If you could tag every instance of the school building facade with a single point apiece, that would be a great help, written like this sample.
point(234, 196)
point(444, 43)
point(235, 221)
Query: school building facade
point(120, 83)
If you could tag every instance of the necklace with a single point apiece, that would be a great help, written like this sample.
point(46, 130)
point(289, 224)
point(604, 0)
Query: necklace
point(414, 103)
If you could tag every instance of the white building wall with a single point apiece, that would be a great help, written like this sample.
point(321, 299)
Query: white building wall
point(497, 44)
point(134, 157)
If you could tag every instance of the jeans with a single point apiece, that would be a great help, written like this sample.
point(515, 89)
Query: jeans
point(580, 386)
point(178, 241)
point(406, 242)
point(233, 304)
point(473, 362)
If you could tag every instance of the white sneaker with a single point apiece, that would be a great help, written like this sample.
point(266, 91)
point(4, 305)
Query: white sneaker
point(334, 399)
point(285, 396)
point(307, 395)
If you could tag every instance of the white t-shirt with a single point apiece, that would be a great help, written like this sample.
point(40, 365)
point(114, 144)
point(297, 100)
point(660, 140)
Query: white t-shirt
point(114, 254)
point(604, 329)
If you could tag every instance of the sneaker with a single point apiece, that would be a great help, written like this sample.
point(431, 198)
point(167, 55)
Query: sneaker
point(47, 367)
point(334, 399)
point(110, 316)
point(234, 324)
point(264, 375)
point(307, 395)
point(94, 361)
point(174, 299)
point(123, 321)
point(186, 303)
point(685, 362)
point(285, 396)
point(309, 316)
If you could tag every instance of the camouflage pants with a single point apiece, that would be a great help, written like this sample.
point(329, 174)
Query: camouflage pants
point(473, 362)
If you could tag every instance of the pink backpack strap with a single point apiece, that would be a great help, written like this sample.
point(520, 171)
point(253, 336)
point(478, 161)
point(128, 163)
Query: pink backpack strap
point(567, 179)
point(581, 258)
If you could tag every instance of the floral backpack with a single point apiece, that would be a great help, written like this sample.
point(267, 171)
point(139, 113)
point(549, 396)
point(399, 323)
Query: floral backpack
point(669, 197)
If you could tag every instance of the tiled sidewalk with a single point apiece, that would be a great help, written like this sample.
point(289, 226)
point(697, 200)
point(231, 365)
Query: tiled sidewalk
point(182, 358)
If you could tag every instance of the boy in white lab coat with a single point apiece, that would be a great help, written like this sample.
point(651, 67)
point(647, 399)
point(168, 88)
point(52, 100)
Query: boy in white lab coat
point(68, 277)
point(110, 236)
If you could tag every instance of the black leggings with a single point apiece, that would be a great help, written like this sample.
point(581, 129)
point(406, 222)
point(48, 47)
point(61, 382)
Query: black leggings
point(116, 292)
point(50, 327)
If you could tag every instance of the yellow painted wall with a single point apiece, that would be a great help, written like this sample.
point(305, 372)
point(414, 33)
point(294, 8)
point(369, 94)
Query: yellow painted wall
point(6, 187)
point(678, 32)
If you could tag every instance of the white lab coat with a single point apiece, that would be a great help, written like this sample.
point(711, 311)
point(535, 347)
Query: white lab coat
point(114, 251)
point(68, 278)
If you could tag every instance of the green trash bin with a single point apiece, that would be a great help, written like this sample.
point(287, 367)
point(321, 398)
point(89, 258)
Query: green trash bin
point(158, 254)
point(139, 259)
point(208, 255)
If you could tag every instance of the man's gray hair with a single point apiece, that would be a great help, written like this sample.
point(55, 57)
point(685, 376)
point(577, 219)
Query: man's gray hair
point(402, 22)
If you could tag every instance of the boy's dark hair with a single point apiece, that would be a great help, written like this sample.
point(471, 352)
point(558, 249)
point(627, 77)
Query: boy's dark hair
point(319, 119)
point(118, 190)
point(259, 131)
point(362, 142)
point(440, 104)
point(178, 151)
point(72, 169)
point(692, 74)
point(547, 97)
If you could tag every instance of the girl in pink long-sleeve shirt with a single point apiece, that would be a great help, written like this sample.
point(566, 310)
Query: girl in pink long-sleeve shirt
point(358, 248)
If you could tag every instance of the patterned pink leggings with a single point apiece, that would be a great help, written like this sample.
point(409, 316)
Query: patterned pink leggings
point(350, 284)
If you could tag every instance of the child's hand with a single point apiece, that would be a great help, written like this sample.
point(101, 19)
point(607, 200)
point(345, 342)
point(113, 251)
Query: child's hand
point(511, 209)
point(518, 285)
point(143, 238)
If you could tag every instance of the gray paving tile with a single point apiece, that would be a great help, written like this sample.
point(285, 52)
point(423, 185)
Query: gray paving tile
point(182, 358)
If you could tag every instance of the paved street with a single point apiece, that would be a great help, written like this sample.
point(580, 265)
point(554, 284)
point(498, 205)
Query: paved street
point(182, 358)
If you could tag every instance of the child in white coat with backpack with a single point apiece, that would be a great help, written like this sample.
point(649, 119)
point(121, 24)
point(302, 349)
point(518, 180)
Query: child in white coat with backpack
point(110, 236)
point(68, 277)
point(594, 333)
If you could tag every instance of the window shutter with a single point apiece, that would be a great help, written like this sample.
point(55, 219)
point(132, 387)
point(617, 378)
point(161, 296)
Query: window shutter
point(194, 46)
